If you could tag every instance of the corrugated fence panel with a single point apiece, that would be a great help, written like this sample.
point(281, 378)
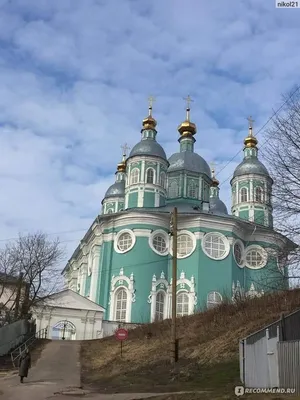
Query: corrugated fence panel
point(12, 335)
point(256, 364)
point(289, 362)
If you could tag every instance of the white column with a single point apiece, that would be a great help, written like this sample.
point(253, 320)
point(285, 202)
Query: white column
point(251, 194)
point(83, 279)
point(95, 274)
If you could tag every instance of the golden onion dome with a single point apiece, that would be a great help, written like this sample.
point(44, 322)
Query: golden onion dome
point(122, 166)
point(187, 127)
point(149, 122)
point(215, 181)
point(250, 140)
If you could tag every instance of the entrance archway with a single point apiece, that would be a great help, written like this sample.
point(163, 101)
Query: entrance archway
point(63, 330)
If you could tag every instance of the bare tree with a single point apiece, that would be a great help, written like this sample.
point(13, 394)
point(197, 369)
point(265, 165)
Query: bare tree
point(282, 152)
point(29, 272)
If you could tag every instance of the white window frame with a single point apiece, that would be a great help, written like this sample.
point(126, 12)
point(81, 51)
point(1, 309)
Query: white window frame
point(261, 200)
point(241, 244)
point(146, 176)
point(117, 237)
point(213, 303)
point(110, 211)
point(173, 185)
point(226, 244)
point(262, 252)
point(194, 241)
point(192, 187)
point(183, 292)
point(165, 236)
point(130, 294)
point(164, 294)
point(133, 174)
point(162, 179)
point(117, 291)
point(158, 285)
point(241, 194)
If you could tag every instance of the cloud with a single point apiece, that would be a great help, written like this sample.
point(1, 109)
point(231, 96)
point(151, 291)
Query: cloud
point(75, 76)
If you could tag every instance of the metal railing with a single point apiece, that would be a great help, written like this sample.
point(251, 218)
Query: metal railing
point(16, 354)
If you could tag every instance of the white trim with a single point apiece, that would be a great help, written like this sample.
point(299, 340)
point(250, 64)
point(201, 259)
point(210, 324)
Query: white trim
point(165, 236)
point(129, 290)
point(212, 302)
point(154, 176)
point(239, 242)
point(240, 195)
point(130, 177)
point(117, 237)
point(157, 286)
point(262, 252)
point(183, 232)
point(225, 241)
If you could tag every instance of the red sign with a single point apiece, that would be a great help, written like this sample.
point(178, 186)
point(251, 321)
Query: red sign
point(121, 334)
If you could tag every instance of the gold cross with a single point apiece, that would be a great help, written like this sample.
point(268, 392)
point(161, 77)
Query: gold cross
point(212, 167)
point(125, 147)
point(151, 100)
point(188, 101)
point(250, 121)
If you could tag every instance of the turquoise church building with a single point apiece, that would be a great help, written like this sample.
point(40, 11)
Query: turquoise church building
point(124, 261)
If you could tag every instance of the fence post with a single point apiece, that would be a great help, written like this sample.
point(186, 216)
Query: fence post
point(282, 328)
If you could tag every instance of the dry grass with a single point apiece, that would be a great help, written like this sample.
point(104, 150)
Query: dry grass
point(208, 349)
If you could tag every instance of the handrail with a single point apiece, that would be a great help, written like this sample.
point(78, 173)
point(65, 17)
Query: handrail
point(41, 334)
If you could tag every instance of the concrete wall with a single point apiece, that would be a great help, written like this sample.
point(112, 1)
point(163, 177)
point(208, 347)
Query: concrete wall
point(14, 334)
point(109, 327)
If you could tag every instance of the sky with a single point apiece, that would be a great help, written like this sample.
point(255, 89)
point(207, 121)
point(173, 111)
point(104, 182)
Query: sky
point(74, 81)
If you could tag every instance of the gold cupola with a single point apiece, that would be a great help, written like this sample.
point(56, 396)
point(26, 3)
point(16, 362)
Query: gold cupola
point(250, 140)
point(149, 122)
point(215, 181)
point(122, 165)
point(187, 128)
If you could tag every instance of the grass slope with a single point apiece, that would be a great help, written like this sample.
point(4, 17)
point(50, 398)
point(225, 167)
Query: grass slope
point(208, 350)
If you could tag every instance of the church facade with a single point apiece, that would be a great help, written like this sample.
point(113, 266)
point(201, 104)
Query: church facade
point(124, 261)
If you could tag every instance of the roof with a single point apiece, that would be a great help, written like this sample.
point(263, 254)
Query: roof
point(189, 161)
point(116, 190)
point(148, 147)
point(251, 166)
point(69, 299)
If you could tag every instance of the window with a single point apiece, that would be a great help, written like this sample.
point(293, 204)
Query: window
point(215, 245)
point(185, 245)
point(134, 176)
point(182, 306)
point(255, 257)
point(121, 305)
point(162, 179)
point(258, 194)
point(192, 190)
point(159, 308)
point(150, 176)
point(110, 211)
point(244, 195)
point(173, 190)
point(124, 241)
point(238, 252)
point(159, 243)
point(213, 299)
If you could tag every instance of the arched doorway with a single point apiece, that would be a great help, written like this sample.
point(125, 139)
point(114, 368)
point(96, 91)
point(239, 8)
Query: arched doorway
point(63, 330)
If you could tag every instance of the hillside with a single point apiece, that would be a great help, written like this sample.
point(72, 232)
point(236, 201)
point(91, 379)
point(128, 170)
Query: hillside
point(208, 350)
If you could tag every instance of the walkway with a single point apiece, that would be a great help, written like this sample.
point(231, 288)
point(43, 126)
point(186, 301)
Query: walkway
point(57, 371)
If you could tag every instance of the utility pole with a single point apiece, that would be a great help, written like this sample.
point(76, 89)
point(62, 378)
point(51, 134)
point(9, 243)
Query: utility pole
point(174, 340)
point(18, 295)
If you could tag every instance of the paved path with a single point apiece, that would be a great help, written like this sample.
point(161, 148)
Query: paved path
point(57, 371)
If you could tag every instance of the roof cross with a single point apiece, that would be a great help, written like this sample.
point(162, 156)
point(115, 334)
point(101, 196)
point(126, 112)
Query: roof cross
point(125, 147)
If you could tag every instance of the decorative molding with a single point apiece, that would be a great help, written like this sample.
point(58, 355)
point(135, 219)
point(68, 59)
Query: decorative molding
point(241, 244)
point(117, 237)
point(179, 233)
point(128, 285)
point(162, 233)
point(262, 252)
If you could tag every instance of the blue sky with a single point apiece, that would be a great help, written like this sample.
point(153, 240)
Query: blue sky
point(74, 80)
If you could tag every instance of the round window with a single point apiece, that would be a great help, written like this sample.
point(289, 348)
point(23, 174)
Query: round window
point(255, 258)
point(215, 245)
point(124, 241)
point(159, 243)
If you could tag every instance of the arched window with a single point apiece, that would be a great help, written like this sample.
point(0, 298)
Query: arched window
point(121, 305)
point(162, 179)
point(258, 194)
point(192, 190)
point(159, 307)
point(110, 211)
point(244, 195)
point(173, 190)
point(182, 304)
point(134, 176)
point(213, 299)
point(150, 175)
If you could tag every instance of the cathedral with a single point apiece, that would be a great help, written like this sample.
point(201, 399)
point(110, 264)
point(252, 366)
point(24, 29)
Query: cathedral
point(124, 261)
